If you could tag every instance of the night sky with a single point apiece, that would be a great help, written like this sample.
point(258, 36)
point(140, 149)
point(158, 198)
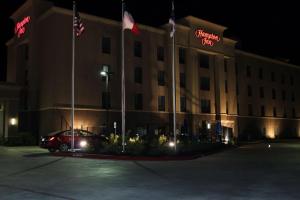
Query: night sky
point(268, 29)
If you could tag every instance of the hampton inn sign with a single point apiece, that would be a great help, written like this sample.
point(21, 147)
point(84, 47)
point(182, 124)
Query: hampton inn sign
point(20, 26)
point(207, 39)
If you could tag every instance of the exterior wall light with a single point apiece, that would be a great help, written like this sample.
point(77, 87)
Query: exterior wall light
point(13, 121)
point(208, 125)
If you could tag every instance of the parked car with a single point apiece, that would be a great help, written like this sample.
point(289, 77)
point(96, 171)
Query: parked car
point(61, 140)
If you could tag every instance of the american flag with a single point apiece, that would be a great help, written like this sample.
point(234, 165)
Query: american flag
point(78, 25)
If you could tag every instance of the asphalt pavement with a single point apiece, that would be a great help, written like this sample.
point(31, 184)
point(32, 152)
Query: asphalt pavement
point(249, 172)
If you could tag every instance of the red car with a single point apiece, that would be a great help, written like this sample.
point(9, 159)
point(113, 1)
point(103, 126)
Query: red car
point(61, 140)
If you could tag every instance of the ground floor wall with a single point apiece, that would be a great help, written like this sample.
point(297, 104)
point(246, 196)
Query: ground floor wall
point(251, 128)
point(95, 120)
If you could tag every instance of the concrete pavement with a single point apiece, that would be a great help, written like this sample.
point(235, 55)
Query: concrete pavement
point(249, 172)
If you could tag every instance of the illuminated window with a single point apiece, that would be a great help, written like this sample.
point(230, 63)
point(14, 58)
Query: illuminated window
point(249, 91)
point(182, 79)
point(161, 78)
point(181, 55)
point(205, 106)
point(137, 49)
point(106, 100)
point(205, 83)
point(138, 101)
point(161, 103)
point(250, 111)
point(261, 92)
point(138, 75)
point(203, 61)
point(273, 94)
point(262, 111)
point(160, 53)
point(182, 104)
point(106, 45)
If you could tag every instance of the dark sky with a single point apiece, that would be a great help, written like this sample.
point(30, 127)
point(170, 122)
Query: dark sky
point(270, 29)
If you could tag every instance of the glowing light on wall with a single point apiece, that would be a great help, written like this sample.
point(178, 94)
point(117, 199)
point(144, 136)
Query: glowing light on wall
point(207, 39)
point(270, 131)
point(13, 121)
point(20, 26)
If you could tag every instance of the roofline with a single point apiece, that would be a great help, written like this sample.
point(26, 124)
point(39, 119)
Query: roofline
point(265, 58)
point(202, 21)
point(100, 19)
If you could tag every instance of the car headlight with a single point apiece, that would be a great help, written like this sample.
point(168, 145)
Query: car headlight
point(83, 143)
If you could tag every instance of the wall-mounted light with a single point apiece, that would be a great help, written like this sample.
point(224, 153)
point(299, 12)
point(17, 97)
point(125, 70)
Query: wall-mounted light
point(208, 125)
point(13, 121)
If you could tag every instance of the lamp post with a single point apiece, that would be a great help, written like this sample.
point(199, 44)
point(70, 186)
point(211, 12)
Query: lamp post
point(105, 73)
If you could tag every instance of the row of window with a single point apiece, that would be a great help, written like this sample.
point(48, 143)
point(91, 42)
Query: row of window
point(261, 75)
point(263, 113)
point(161, 102)
point(262, 93)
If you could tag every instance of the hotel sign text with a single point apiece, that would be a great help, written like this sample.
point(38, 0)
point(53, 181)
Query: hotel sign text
point(20, 26)
point(207, 39)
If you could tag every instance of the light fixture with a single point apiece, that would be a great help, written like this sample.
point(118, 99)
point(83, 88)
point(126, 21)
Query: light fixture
point(83, 144)
point(208, 125)
point(171, 144)
point(13, 121)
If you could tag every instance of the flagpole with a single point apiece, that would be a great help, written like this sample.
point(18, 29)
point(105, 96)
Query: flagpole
point(174, 85)
point(123, 83)
point(73, 69)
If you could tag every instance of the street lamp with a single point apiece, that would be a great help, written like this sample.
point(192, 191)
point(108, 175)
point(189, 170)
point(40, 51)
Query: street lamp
point(104, 73)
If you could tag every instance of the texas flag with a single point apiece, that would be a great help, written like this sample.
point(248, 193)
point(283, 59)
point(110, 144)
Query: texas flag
point(128, 23)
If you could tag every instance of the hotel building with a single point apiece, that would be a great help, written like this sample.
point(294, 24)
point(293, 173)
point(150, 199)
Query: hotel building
point(250, 95)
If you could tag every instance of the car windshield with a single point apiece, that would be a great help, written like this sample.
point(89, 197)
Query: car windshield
point(54, 133)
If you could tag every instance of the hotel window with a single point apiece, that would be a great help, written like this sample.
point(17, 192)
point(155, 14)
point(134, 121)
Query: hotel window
point(261, 92)
point(274, 112)
point(236, 69)
point(283, 95)
point(205, 106)
point(293, 96)
point(225, 65)
point(284, 113)
point(106, 45)
point(249, 91)
point(161, 103)
point(272, 76)
point(273, 94)
point(262, 111)
point(237, 88)
point(292, 80)
point(203, 61)
point(138, 101)
point(138, 75)
point(248, 71)
point(137, 49)
point(160, 53)
point(294, 113)
point(181, 55)
point(26, 49)
point(161, 78)
point(105, 100)
point(238, 108)
point(250, 111)
point(226, 86)
point(260, 76)
point(282, 79)
point(226, 107)
point(205, 83)
point(182, 79)
point(182, 104)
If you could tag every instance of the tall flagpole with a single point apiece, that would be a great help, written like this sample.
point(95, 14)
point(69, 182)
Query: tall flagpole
point(123, 83)
point(73, 69)
point(173, 84)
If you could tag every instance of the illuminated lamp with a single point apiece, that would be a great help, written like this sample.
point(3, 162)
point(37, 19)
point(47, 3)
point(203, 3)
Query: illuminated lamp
point(13, 121)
